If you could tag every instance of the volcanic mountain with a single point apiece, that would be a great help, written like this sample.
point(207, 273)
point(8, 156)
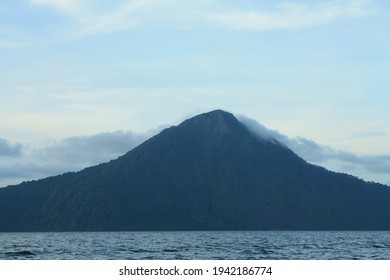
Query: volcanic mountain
point(208, 173)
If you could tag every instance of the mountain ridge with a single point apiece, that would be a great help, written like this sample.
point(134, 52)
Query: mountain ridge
point(208, 173)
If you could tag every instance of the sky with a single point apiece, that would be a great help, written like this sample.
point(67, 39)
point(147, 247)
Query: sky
point(82, 81)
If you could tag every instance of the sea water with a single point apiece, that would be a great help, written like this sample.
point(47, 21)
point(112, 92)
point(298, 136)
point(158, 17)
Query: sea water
point(236, 245)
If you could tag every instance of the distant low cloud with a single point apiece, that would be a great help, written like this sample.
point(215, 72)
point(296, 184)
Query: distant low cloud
point(368, 167)
point(23, 163)
point(91, 149)
point(9, 150)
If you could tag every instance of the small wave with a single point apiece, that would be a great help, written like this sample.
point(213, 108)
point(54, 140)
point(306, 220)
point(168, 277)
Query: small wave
point(381, 246)
point(141, 251)
point(260, 250)
point(19, 254)
point(170, 250)
point(266, 251)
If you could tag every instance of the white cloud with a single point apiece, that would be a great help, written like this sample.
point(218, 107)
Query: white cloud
point(294, 15)
point(90, 19)
point(119, 19)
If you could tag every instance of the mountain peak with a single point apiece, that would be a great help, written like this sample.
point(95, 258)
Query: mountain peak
point(217, 122)
point(218, 113)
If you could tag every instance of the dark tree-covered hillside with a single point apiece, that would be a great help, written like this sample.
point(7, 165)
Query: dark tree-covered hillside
point(208, 173)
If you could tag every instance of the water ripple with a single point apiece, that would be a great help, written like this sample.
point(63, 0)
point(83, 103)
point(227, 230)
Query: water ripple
point(196, 245)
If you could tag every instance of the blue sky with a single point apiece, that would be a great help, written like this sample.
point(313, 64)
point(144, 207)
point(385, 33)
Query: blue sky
point(83, 81)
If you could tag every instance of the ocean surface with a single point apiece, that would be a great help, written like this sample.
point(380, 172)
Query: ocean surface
point(240, 245)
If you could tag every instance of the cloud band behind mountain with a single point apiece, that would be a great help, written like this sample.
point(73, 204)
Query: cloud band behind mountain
point(9, 150)
point(363, 166)
point(23, 162)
